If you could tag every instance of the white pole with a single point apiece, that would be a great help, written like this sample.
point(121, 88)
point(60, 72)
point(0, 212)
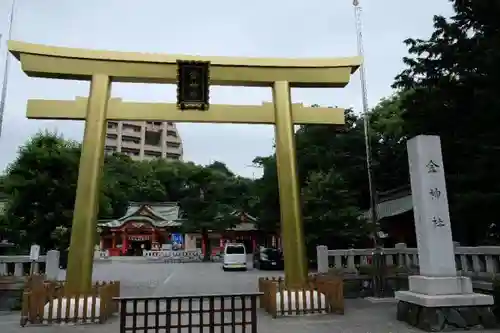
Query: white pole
point(366, 120)
point(5, 82)
point(255, 167)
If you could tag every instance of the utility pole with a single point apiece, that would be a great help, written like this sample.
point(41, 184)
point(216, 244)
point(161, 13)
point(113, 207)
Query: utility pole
point(366, 123)
point(378, 258)
point(256, 167)
point(3, 95)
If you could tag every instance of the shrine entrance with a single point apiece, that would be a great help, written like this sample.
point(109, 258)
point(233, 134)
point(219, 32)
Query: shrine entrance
point(138, 245)
point(193, 76)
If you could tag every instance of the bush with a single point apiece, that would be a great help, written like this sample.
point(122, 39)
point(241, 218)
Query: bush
point(496, 297)
point(398, 270)
point(336, 271)
point(366, 270)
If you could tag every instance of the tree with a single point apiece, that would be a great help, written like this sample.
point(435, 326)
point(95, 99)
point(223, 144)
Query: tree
point(173, 176)
point(206, 205)
point(125, 181)
point(331, 214)
point(147, 187)
point(389, 143)
point(454, 94)
point(266, 202)
point(2, 184)
point(222, 167)
point(118, 182)
point(338, 154)
point(326, 147)
point(41, 185)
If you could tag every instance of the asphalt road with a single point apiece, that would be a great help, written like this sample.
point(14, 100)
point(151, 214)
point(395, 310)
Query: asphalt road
point(158, 279)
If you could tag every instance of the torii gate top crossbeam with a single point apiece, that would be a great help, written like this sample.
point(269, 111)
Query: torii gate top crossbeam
point(80, 64)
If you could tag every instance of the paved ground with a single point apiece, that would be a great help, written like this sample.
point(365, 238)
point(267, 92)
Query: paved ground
point(140, 279)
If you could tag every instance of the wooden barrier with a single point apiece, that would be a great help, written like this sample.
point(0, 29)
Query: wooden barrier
point(278, 300)
point(50, 302)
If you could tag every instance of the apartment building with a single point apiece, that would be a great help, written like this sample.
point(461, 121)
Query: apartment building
point(145, 140)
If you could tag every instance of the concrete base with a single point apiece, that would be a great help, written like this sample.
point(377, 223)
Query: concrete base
point(437, 304)
point(432, 301)
point(381, 299)
point(102, 261)
point(294, 300)
point(438, 319)
point(440, 285)
point(71, 314)
point(429, 291)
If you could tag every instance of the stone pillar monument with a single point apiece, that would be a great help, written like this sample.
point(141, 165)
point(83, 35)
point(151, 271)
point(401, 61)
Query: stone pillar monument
point(438, 299)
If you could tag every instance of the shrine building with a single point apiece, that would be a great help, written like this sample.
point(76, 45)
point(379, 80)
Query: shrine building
point(143, 227)
point(395, 216)
point(147, 226)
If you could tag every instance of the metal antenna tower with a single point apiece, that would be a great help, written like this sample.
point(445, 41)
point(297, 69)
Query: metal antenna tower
point(366, 122)
point(5, 82)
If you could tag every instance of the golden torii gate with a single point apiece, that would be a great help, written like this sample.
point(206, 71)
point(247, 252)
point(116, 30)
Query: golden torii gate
point(102, 68)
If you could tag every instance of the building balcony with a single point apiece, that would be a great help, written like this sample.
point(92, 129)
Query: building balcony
point(152, 148)
point(131, 133)
point(133, 153)
point(172, 150)
point(154, 127)
point(148, 157)
point(111, 142)
point(131, 145)
point(113, 130)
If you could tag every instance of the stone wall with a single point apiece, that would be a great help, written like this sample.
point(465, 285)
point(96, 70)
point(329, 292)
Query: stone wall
point(14, 271)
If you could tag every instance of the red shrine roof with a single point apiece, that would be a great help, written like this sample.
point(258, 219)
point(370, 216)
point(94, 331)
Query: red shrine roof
point(160, 215)
point(167, 214)
point(247, 221)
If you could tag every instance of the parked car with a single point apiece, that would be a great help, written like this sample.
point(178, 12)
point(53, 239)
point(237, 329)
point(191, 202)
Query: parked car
point(235, 257)
point(268, 258)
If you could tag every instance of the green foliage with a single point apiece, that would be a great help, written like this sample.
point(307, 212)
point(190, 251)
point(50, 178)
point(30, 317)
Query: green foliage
point(330, 213)
point(332, 178)
point(266, 197)
point(210, 195)
point(146, 186)
point(221, 167)
point(496, 298)
point(389, 143)
point(2, 185)
point(41, 185)
point(333, 175)
point(453, 81)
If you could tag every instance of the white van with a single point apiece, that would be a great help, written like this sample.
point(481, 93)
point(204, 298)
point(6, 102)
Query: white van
point(235, 257)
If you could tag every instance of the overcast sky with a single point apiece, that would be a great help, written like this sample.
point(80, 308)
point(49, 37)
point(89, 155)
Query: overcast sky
point(266, 28)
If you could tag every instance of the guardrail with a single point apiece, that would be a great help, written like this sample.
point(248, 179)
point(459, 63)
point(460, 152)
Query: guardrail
point(204, 313)
point(19, 266)
point(101, 255)
point(179, 256)
point(480, 261)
